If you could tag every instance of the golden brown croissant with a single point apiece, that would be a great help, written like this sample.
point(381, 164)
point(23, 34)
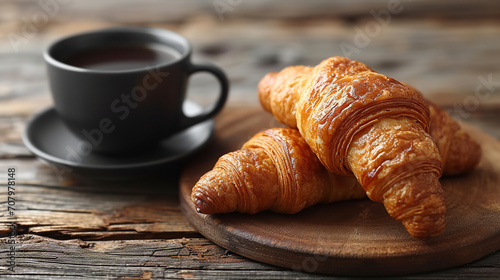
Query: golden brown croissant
point(360, 122)
point(459, 152)
point(275, 170)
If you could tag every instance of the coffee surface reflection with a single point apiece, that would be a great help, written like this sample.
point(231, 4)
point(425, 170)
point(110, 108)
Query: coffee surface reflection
point(128, 57)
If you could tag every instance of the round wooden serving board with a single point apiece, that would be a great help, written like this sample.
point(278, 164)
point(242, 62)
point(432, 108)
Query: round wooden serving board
point(354, 237)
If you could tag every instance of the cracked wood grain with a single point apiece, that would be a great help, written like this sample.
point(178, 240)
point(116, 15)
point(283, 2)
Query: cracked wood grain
point(121, 258)
point(179, 258)
point(98, 212)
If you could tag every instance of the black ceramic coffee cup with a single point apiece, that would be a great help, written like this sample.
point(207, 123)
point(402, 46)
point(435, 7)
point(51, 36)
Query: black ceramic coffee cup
point(122, 89)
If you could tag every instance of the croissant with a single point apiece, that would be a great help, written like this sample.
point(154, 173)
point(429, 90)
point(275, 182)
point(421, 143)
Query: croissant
point(286, 151)
point(361, 122)
point(459, 152)
point(274, 170)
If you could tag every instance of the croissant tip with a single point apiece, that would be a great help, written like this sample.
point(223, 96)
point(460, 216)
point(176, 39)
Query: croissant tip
point(201, 205)
point(466, 155)
point(266, 83)
point(425, 227)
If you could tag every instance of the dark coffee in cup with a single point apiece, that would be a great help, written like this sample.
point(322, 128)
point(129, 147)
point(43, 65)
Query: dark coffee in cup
point(123, 57)
point(122, 89)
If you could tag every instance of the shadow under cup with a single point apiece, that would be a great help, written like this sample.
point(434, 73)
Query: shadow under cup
point(122, 89)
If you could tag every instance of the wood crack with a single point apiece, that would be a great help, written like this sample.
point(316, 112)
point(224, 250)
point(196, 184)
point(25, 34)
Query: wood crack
point(113, 235)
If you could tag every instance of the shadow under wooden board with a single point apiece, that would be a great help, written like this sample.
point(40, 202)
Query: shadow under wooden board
point(354, 237)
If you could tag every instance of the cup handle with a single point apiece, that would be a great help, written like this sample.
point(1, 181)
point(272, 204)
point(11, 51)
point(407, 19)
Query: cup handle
point(217, 106)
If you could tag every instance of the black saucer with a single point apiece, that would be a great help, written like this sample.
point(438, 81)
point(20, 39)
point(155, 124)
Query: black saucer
point(49, 139)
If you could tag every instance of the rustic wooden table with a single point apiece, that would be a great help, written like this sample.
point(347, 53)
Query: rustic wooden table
point(70, 226)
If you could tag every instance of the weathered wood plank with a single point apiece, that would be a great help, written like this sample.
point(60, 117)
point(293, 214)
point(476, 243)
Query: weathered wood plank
point(140, 209)
point(180, 10)
point(183, 258)
point(127, 258)
point(455, 60)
